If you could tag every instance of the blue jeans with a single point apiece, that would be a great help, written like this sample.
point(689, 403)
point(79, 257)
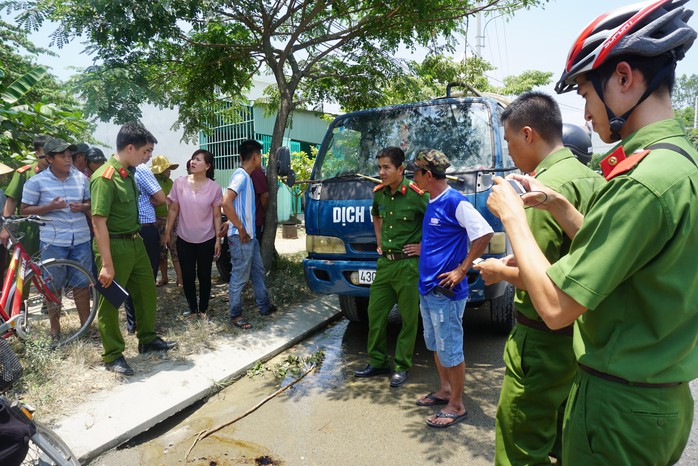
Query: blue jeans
point(247, 266)
point(80, 253)
point(443, 327)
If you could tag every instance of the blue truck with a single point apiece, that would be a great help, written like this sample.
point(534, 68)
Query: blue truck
point(340, 239)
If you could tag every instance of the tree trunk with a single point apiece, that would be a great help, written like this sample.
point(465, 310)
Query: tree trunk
point(270, 220)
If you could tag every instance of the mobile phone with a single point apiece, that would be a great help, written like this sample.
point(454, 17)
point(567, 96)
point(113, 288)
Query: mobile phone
point(518, 187)
point(478, 260)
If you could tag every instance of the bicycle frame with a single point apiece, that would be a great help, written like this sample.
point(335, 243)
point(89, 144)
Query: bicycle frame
point(14, 277)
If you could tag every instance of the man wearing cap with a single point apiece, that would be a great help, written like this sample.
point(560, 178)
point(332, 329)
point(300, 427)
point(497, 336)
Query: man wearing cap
point(119, 249)
point(79, 159)
point(94, 158)
point(540, 364)
point(451, 223)
point(13, 192)
point(398, 209)
point(162, 168)
point(61, 194)
point(629, 282)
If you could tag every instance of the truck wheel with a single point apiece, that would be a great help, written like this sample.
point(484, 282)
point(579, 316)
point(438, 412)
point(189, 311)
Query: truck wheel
point(355, 308)
point(502, 311)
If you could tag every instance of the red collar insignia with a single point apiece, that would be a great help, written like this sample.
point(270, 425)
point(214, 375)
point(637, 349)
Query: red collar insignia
point(123, 172)
point(404, 189)
point(618, 163)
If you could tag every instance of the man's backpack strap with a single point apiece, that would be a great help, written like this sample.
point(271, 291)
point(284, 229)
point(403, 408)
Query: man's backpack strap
point(672, 147)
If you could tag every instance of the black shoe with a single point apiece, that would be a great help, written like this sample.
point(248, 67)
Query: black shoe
point(370, 371)
point(269, 311)
point(156, 345)
point(398, 378)
point(119, 366)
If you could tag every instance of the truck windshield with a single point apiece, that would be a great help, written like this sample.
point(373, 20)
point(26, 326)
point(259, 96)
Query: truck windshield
point(462, 130)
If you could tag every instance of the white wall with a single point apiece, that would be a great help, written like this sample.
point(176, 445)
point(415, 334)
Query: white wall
point(159, 122)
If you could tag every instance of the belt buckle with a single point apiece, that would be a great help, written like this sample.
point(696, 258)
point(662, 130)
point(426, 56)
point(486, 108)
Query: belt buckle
point(390, 256)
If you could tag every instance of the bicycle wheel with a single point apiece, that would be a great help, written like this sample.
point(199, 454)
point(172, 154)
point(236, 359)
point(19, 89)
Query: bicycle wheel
point(46, 448)
point(62, 297)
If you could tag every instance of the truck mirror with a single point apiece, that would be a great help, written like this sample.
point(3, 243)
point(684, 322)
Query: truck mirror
point(283, 161)
point(290, 179)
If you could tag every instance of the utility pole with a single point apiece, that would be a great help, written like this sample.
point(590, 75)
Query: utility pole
point(479, 38)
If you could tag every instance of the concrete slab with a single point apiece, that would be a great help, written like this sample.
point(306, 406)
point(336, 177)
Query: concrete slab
point(108, 419)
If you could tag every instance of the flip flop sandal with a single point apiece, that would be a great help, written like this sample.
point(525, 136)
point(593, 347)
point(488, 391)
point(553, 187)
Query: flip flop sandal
point(242, 324)
point(435, 400)
point(456, 419)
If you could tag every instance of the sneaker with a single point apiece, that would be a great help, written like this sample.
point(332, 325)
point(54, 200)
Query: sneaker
point(119, 366)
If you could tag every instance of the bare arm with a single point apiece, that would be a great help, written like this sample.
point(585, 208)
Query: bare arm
point(106, 273)
point(229, 209)
point(217, 228)
point(455, 276)
point(557, 309)
point(158, 198)
point(172, 212)
point(496, 270)
point(55, 204)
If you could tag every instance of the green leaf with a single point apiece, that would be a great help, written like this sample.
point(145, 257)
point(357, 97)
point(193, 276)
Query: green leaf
point(24, 84)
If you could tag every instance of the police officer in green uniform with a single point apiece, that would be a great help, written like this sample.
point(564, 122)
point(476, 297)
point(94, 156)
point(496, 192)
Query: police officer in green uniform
point(119, 251)
point(540, 363)
point(30, 231)
point(629, 279)
point(398, 210)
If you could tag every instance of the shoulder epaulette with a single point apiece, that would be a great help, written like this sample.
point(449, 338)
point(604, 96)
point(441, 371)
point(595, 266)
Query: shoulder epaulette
point(379, 187)
point(618, 163)
point(108, 173)
point(416, 188)
point(23, 169)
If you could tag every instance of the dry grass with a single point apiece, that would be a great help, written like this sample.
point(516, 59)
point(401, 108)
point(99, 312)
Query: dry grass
point(55, 382)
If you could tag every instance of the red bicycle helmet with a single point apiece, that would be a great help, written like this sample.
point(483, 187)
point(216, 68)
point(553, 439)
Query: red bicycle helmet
point(647, 29)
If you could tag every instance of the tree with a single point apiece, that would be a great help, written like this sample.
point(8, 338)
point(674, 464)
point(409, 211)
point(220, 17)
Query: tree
point(32, 101)
point(195, 53)
point(683, 99)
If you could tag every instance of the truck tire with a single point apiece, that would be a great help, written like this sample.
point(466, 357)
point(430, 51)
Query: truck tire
point(355, 308)
point(502, 311)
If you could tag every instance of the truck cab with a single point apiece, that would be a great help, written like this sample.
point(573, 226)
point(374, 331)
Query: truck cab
point(340, 239)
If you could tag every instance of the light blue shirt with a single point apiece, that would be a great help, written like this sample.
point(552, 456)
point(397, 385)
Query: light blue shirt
point(241, 183)
point(147, 186)
point(65, 228)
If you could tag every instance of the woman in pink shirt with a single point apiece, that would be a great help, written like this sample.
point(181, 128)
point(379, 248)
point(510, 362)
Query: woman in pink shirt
point(195, 202)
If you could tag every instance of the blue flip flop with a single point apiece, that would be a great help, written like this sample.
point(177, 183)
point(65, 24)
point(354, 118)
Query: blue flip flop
point(456, 419)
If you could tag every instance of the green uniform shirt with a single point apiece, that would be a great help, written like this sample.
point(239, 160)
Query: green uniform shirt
point(402, 213)
point(16, 186)
point(114, 196)
point(166, 185)
point(633, 265)
point(562, 172)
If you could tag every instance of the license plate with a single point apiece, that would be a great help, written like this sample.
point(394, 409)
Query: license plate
point(366, 277)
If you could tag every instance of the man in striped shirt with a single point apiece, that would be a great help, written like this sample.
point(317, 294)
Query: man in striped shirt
point(62, 195)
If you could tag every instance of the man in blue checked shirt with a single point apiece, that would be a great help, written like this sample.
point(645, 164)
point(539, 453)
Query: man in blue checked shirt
point(150, 196)
point(62, 195)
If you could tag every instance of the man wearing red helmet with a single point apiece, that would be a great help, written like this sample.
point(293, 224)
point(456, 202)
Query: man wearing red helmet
point(629, 280)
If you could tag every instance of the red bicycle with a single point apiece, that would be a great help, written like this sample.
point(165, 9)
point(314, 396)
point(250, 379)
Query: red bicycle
point(54, 299)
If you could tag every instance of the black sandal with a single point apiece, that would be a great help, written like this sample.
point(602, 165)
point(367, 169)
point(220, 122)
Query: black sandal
point(242, 324)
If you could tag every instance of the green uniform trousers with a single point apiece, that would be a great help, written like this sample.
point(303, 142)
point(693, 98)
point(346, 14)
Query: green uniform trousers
point(132, 271)
point(395, 282)
point(609, 423)
point(540, 369)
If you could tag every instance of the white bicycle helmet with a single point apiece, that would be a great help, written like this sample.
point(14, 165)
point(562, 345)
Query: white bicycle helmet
point(647, 29)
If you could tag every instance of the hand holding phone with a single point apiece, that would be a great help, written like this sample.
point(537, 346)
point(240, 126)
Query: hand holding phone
point(518, 187)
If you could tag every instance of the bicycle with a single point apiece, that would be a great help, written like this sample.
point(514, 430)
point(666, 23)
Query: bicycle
point(25, 439)
point(39, 292)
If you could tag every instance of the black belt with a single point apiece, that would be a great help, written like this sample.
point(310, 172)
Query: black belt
point(125, 236)
point(396, 256)
point(614, 378)
point(538, 325)
point(147, 225)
